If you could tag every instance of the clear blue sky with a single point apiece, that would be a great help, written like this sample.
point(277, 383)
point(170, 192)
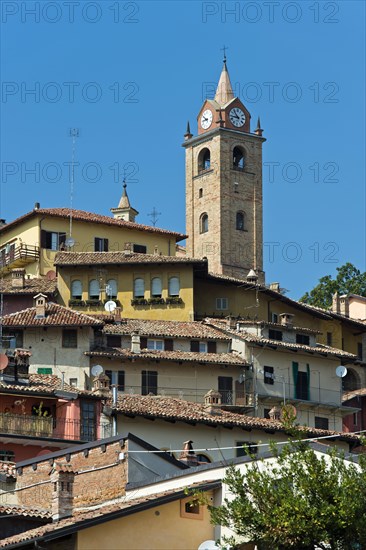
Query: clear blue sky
point(130, 74)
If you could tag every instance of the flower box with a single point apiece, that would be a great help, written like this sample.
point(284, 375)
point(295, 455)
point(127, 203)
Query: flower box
point(172, 300)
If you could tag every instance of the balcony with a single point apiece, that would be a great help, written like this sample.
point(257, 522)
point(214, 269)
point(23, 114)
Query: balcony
point(13, 256)
point(49, 427)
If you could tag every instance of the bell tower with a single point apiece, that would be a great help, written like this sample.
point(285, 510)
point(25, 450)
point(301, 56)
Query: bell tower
point(224, 206)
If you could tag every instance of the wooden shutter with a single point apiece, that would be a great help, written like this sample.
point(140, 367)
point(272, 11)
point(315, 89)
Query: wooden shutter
point(105, 245)
point(168, 344)
point(43, 238)
point(211, 347)
point(195, 345)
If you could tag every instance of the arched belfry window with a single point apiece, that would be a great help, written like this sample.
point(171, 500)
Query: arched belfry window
point(204, 160)
point(204, 223)
point(240, 221)
point(238, 158)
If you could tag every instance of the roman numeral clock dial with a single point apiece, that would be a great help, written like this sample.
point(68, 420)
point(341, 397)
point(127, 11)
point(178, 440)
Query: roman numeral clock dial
point(237, 117)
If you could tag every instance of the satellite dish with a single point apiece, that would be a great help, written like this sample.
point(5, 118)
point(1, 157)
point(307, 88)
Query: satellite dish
point(110, 306)
point(51, 275)
point(70, 242)
point(341, 371)
point(3, 361)
point(208, 545)
point(96, 370)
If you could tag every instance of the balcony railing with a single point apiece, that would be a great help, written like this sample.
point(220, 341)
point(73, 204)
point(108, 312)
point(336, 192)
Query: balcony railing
point(18, 256)
point(49, 427)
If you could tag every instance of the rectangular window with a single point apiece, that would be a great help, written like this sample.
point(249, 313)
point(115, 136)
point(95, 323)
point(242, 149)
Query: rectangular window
point(7, 456)
point(269, 375)
point(113, 341)
point(155, 344)
point(222, 303)
point(226, 389)
point(168, 344)
point(329, 339)
point(303, 339)
point(149, 382)
point(139, 248)
point(355, 419)
point(321, 423)
point(13, 339)
point(302, 386)
point(359, 350)
point(245, 446)
point(52, 240)
point(73, 382)
point(274, 334)
point(100, 244)
point(117, 378)
point(44, 370)
point(69, 338)
point(202, 347)
point(87, 414)
point(266, 413)
point(195, 345)
point(274, 317)
point(211, 347)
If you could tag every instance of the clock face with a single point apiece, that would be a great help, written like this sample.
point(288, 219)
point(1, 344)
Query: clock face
point(237, 117)
point(206, 119)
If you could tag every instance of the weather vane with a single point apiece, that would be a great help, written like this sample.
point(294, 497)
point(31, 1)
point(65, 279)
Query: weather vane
point(154, 216)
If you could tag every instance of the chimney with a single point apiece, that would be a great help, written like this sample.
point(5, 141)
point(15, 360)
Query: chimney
point(135, 342)
point(37, 206)
point(213, 402)
point(344, 305)
point(275, 413)
point(101, 385)
point(117, 315)
point(274, 286)
point(2, 222)
point(188, 455)
point(252, 277)
point(17, 278)
point(335, 303)
point(40, 302)
point(287, 319)
point(62, 479)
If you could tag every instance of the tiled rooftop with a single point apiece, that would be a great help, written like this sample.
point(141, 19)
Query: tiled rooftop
point(83, 216)
point(180, 356)
point(31, 286)
point(113, 258)
point(41, 383)
point(175, 329)
point(25, 512)
point(168, 408)
point(56, 316)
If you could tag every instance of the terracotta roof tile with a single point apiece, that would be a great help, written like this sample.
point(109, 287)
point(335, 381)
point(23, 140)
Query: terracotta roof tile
point(23, 511)
point(112, 258)
point(83, 216)
point(179, 409)
point(175, 329)
point(7, 468)
point(40, 383)
point(183, 356)
point(31, 286)
point(56, 315)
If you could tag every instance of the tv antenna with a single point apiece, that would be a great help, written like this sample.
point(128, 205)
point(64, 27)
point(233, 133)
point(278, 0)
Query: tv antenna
point(154, 215)
point(73, 133)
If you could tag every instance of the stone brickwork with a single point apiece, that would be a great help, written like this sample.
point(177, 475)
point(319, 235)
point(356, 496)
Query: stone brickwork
point(221, 191)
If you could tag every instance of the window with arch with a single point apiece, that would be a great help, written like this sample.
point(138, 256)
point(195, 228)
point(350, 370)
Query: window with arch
point(139, 288)
point(238, 158)
point(173, 286)
point(76, 290)
point(239, 223)
point(111, 288)
point(94, 289)
point(156, 287)
point(351, 381)
point(204, 223)
point(204, 160)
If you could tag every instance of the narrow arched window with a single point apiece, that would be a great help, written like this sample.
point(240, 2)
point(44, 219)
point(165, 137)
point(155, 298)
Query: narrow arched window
point(94, 289)
point(111, 288)
point(173, 287)
point(76, 290)
point(238, 158)
point(204, 223)
point(156, 287)
point(204, 160)
point(240, 221)
point(139, 287)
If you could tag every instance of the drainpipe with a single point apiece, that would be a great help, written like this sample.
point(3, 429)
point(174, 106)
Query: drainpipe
point(114, 400)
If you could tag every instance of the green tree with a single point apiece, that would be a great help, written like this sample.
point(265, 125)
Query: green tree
point(300, 501)
point(349, 280)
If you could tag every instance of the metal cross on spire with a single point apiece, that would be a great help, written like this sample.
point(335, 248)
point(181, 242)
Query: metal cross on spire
point(224, 48)
point(154, 216)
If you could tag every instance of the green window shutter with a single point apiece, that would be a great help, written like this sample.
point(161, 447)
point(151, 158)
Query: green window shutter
point(295, 370)
point(44, 370)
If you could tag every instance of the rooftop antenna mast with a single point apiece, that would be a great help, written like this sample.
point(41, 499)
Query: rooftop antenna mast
point(73, 133)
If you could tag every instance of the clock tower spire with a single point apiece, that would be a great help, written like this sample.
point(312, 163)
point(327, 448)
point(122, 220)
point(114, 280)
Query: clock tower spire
point(224, 186)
